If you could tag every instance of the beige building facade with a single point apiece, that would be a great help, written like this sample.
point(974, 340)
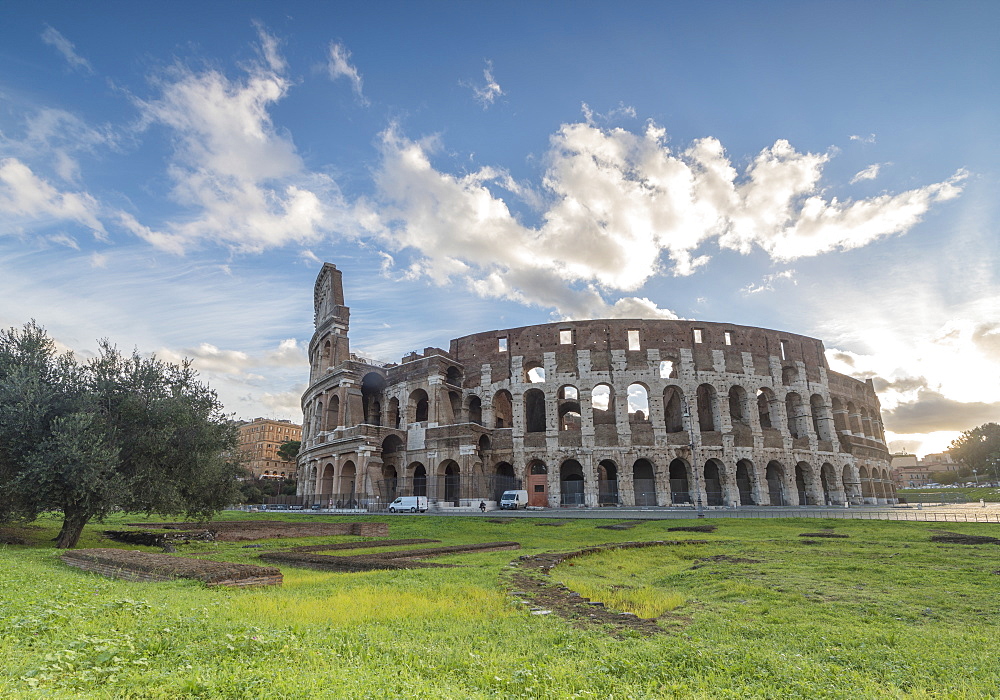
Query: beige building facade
point(654, 413)
point(259, 440)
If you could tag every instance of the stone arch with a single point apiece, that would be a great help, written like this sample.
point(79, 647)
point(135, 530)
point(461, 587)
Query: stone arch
point(668, 368)
point(571, 483)
point(602, 404)
point(569, 408)
point(745, 482)
point(607, 483)
point(714, 477)
point(707, 409)
point(644, 483)
point(820, 418)
point(348, 484)
point(475, 408)
point(534, 411)
point(638, 402)
point(673, 409)
point(866, 484)
point(839, 416)
point(537, 483)
point(455, 403)
point(503, 479)
point(765, 397)
point(828, 483)
point(419, 406)
point(450, 482)
point(774, 475)
point(453, 376)
point(739, 409)
point(852, 485)
point(503, 409)
point(854, 418)
point(326, 356)
point(333, 417)
point(680, 484)
point(372, 386)
point(804, 484)
point(484, 444)
point(793, 414)
point(387, 486)
point(392, 414)
point(418, 479)
point(534, 372)
point(326, 480)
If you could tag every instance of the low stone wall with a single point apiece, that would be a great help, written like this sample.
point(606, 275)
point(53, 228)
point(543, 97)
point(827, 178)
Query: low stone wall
point(134, 565)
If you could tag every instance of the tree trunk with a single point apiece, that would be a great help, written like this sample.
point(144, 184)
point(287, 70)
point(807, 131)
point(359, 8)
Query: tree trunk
point(72, 528)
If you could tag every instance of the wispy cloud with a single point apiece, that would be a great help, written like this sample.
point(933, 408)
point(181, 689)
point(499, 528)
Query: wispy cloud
point(767, 284)
point(27, 201)
point(339, 66)
point(870, 138)
point(487, 92)
point(64, 46)
point(869, 173)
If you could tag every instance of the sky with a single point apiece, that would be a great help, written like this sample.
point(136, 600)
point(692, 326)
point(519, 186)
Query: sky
point(173, 175)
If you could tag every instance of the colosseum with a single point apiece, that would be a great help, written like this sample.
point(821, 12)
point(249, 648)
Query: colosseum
point(651, 413)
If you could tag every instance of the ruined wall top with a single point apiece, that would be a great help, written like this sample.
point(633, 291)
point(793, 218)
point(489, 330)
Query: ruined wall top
point(328, 297)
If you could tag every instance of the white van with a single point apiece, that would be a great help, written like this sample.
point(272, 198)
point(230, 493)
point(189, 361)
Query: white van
point(514, 499)
point(409, 504)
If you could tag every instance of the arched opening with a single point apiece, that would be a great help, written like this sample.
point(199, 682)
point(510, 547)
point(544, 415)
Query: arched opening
point(418, 479)
point(820, 421)
point(673, 409)
point(706, 408)
point(451, 475)
point(602, 402)
point(326, 482)
point(333, 413)
point(644, 483)
point(569, 409)
point(668, 369)
point(388, 484)
point(789, 375)
point(571, 483)
point(537, 484)
point(534, 373)
point(454, 376)
point(534, 411)
point(744, 485)
point(503, 409)
point(483, 444)
point(713, 483)
point(764, 397)
point(839, 417)
point(680, 491)
point(372, 386)
point(804, 483)
point(793, 411)
point(325, 358)
point(348, 475)
point(638, 403)
point(419, 406)
point(607, 483)
point(392, 419)
point(852, 487)
point(320, 418)
point(455, 402)
point(738, 412)
point(866, 484)
point(475, 410)
point(503, 479)
point(775, 477)
point(828, 482)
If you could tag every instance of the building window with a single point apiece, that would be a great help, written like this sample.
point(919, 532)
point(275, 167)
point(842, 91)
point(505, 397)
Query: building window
point(633, 340)
point(697, 335)
point(502, 344)
point(729, 337)
point(566, 337)
point(784, 349)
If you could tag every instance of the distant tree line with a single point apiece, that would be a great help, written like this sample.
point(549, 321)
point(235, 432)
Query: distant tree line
point(118, 432)
point(978, 449)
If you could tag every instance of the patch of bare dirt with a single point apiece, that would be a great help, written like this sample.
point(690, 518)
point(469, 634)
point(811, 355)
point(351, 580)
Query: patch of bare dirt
point(136, 565)
point(693, 528)
point(958, 538)
point(824, 533)
point(530, 583)
point(626, 525)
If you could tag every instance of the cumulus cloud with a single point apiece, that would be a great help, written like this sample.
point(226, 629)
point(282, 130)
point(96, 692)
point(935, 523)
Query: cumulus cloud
point(869, 173)
point(239, 176)
point(237, 364)
point(339, 66)
point(487, 93)
point(55, 39)
point(26, 198)
point(932, 411)
point(618, 208)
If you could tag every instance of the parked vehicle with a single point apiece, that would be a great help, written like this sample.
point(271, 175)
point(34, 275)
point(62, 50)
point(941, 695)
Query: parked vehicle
point(409, 504)
point(514, 499)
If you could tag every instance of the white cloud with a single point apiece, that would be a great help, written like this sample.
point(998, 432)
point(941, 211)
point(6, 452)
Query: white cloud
point(870, 138)
point(339, 66)
point(619, 207)
point(869, 173)
point(26, 198)
point(64, 46)
point(487, 93)
point(240, 178)
point(767, 284)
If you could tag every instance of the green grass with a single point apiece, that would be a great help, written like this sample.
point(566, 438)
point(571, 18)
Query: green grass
point(882, 613)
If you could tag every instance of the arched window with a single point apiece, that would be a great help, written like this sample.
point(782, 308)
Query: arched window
point(602, 402)
point(793, 411)
point(372, 386)
point(764, 397)
point(738, 411)
point(820, 421)
point(503, 409)
point(706, 408)
point(333, 413)
point(569, 408)
point(454, 376)
point(668, 369)
point(393, 415)
point(534, 373)
point(534, 411)
point(673, 409)
point(571, 483)
point(419, 406)
point(475, 410)
point(638, 403)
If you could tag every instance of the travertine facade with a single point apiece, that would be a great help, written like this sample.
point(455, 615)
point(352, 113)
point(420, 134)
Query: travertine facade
point(589, 413)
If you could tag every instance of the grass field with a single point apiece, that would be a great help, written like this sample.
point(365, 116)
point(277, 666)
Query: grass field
point(756, 612)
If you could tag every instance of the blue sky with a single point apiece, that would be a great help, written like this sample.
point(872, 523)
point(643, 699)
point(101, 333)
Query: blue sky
point(172, 175)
